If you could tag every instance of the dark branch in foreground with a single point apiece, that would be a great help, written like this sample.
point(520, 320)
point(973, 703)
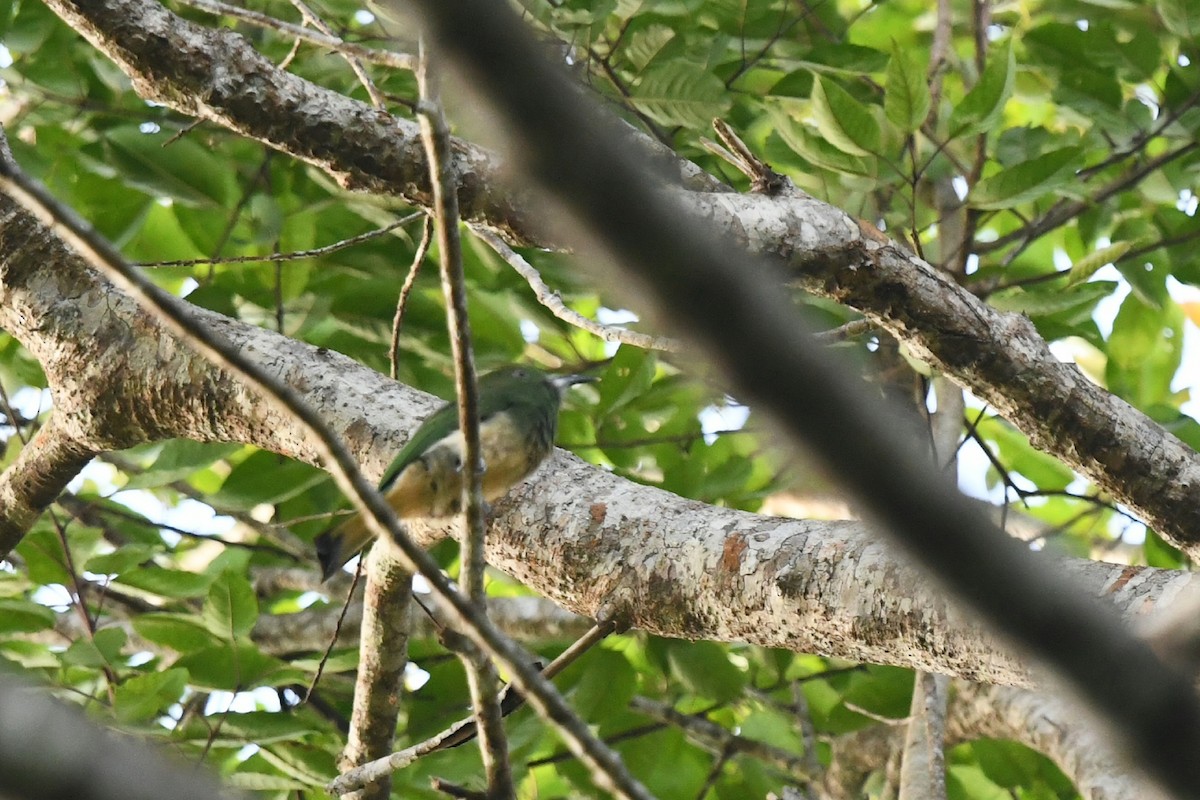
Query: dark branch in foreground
point(731, 305)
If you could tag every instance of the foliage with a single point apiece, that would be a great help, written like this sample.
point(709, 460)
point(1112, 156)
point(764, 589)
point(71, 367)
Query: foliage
point(1076, 121)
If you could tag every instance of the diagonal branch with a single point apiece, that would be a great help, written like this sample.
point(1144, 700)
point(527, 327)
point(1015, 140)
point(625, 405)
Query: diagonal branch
point(605, 765)
point(44, 467)
point(323, 38)
point(732, 306)
point(1000, 357)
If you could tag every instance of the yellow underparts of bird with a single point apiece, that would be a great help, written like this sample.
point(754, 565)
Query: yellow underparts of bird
point(518, 417)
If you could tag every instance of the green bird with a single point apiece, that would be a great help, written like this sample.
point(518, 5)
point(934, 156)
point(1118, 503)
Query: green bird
point(518, 415)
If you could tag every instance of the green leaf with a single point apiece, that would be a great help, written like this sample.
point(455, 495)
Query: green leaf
point(233, 668)
point(1052, 301)
point(102, 650)
point(144, 696)
point(24, 616)
point(772, 727)
point(231, 608)
point(628, 376)
point(813, 148)
point(1026, 181)
point(1144, 351)
point(1161, 553)
point(605, 686)
point(678, 93)
point(1015, 452)
point(1181, 17)
point(704, 669)
point(184, 171)
point(983, 106)
point(1085, 267)
point(42, 552)
point(180, 632)
point(167, 582)
point(968, 781)
point(647, 44)
point(119, 561)
point(906, 102)
point(265, 727)
point(265, 478)
point(177, 459)
point(843, 57)
point(262, 782)
point(844, 122)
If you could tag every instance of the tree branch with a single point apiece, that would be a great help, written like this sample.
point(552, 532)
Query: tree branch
point(604, 764)
point(481, 674)
point(44, 467)
point(323, 38)
point(732, 306)
point(999, 356)
point(382, 655)
point(49, 752)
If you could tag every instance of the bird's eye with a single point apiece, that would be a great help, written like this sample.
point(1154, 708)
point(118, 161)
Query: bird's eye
point(520, 373)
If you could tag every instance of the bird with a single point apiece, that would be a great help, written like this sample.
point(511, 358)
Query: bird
point(518, 417)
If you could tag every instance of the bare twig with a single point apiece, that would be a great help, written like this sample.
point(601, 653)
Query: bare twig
point(410, 280)
point(481, 674)
point(387, 58)
point(294, 255)
point(555, 305)
point(337, 630)
point(313, 19)
point(463, 730)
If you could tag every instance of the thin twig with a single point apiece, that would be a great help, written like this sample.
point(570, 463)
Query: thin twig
point(463, 730)
point(855, 327)
point(481, 674)
point(555, 305)
point(719, 738)
point(387, 58)
point(313, 19)
point(410, 280)
point(337, 632)
point(293, 255)
point(454, 790)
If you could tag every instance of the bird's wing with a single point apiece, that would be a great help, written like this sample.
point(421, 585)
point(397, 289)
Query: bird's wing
point(435, 427)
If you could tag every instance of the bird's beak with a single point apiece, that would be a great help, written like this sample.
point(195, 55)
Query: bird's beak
point(564, 382)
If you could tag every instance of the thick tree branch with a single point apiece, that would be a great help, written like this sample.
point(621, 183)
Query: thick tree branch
point(999, 356)
point(49, 752)
point(45, 466)
point(1052, 725)
point(923, 762)
point(711, 573)
point(1040, 720)
point(385, 616)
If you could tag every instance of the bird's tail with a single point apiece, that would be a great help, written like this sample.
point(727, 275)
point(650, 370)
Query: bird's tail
point(337, 546)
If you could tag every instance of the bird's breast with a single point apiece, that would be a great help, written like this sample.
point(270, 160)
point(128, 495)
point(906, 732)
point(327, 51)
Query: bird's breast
point(431, 486)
